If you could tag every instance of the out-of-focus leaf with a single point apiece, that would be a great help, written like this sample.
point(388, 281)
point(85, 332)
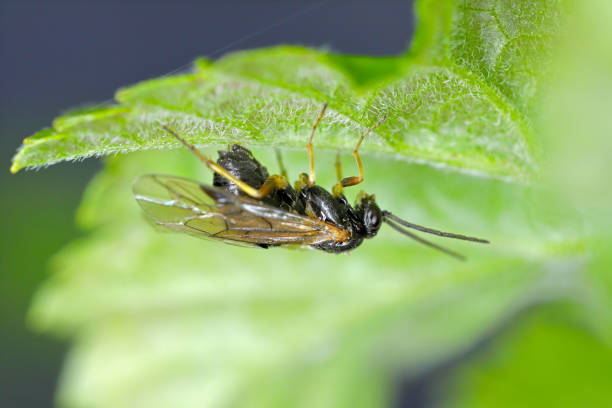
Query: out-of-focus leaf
point(561, 355)
point(458, 98)
point(576, 129)
point(548, 357)
point(166, 318)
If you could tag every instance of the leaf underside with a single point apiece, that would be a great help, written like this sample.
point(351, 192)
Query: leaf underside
point(446, 104)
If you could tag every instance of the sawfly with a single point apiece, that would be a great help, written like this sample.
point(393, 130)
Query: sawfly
point(248, 207)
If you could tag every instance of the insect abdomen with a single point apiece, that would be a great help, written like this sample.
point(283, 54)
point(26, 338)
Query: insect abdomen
point(241, 164)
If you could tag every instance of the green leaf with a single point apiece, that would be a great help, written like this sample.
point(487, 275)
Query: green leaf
point(516, 369)
point(445, 103)
point(167, 320)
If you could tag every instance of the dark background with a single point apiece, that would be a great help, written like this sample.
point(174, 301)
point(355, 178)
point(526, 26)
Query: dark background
point(57, 55)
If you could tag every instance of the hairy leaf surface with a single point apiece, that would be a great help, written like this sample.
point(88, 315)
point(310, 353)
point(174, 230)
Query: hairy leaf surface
point(460, 97)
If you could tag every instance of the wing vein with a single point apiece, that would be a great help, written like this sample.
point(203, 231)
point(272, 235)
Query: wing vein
point(185, 205)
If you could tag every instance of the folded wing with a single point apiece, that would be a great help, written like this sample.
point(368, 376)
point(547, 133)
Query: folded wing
point(185, 205)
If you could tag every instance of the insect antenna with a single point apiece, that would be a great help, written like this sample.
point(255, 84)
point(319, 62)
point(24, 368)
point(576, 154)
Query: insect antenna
point(388, 216)
point(424, 241)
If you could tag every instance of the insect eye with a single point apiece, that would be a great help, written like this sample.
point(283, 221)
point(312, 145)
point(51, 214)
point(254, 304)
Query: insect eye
point(372, 217)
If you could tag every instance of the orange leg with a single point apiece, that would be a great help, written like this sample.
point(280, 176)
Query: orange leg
point(273, 182)
point(354, 180)
point(312, 175)
point(301, 182)
point(337, 190)
point(338, 167)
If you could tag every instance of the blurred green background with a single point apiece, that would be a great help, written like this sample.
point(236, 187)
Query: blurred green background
point(526, 324)
point(60, 55)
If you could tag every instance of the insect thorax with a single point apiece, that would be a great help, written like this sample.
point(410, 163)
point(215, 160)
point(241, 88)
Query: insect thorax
point(321, 204)
point(312, 201)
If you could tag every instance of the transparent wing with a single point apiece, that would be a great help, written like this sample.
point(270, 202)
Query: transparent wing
point(185, 205)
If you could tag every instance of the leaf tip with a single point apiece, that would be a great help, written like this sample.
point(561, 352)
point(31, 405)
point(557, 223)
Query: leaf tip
point(15, 168)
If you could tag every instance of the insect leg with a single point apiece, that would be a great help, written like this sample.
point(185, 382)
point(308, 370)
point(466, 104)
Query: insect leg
point(301, 181)
point(338, 167)
point(279, 158)
point(274, 182)
point(269, 185)
point(354, 180)
point(337, 190)
point(312, 176)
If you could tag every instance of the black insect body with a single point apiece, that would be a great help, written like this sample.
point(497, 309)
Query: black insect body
point(320, 204)
point(312, 201)
point(240, 163)
point(246, 206)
